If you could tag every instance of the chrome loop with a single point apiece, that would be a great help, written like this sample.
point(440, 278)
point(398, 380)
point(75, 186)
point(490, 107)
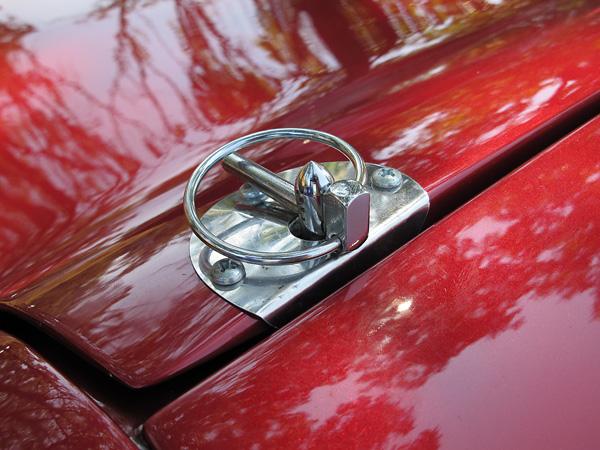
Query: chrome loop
point(253, 257)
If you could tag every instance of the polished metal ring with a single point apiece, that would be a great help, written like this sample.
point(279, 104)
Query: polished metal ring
point(266, 258)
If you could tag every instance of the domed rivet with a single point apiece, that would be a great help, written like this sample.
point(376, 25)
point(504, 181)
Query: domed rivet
point(227, 272)
point(386, 178)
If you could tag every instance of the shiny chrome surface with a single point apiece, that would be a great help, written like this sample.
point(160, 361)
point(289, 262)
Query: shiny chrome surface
point(251, 195)
point(386, 178)
point(278, 293)
point(481, 333)
point(325, 209)
point(262, 179)
point(108, 110)
point(311, 184)
point(227, 272)
point(251, 256)
point(346, 211)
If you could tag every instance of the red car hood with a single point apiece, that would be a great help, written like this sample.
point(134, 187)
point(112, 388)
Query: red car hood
point(479, 333)
point(101, 132)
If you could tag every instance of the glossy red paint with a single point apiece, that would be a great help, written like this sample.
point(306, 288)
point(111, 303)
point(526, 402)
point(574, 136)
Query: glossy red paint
point(100, 131)
point(142, 312)
point(480, 333)
point(450, 103)
point(41, 409)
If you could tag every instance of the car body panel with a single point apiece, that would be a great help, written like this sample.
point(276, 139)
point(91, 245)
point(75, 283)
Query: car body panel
point(481, 332)
point(101, 132)
point(451, 106)
point(39, 408)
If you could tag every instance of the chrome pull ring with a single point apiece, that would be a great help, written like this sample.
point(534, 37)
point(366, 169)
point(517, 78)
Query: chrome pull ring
point(331, 242)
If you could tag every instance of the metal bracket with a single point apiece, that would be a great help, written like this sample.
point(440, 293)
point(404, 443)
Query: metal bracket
point(249, 220)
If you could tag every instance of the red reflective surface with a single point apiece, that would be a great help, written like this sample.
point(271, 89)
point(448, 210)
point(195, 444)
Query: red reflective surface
point(107, 107)
point(141, 311)
point(99, 134)
point(480, 333)
point(41, 409)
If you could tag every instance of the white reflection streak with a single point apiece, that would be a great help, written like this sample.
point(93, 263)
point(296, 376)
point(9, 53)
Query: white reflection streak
point(404, 306)
point(397, 309)
point(418, 134)
point(592, 178)
point(487, 226)
point(549, 90)
point(551, 254)
point(309, 34)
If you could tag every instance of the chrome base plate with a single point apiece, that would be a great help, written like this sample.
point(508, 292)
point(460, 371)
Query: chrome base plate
point(277, 294)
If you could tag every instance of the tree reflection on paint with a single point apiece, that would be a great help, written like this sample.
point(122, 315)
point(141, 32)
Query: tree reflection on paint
point(43, 183)
point(72, 201)
point(356, 370)
point(76, 159)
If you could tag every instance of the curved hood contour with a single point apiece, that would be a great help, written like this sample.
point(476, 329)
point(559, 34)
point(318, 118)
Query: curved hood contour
point(100, 134)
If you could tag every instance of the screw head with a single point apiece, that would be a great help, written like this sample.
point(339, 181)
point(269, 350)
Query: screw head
point(227, 272)
point(250, 195)
point(386, 178)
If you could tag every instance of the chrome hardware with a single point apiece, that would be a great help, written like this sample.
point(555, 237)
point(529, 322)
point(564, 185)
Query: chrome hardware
point(386, 178)
point(311, 184)
point(227, 272)
point(262, 179)
point(346, 213)
point(288, 270)
point(251, 195)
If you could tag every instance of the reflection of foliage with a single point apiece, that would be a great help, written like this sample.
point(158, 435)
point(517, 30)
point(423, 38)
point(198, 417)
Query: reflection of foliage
point(45, 180)
point(63, 175)
point(353, 33)
point(362, 361)
point(104, 8)
point(132, 56)
point(88, 152)
point(225, 80)
point(61, 198)
point(11, 33)
point(40, 135)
